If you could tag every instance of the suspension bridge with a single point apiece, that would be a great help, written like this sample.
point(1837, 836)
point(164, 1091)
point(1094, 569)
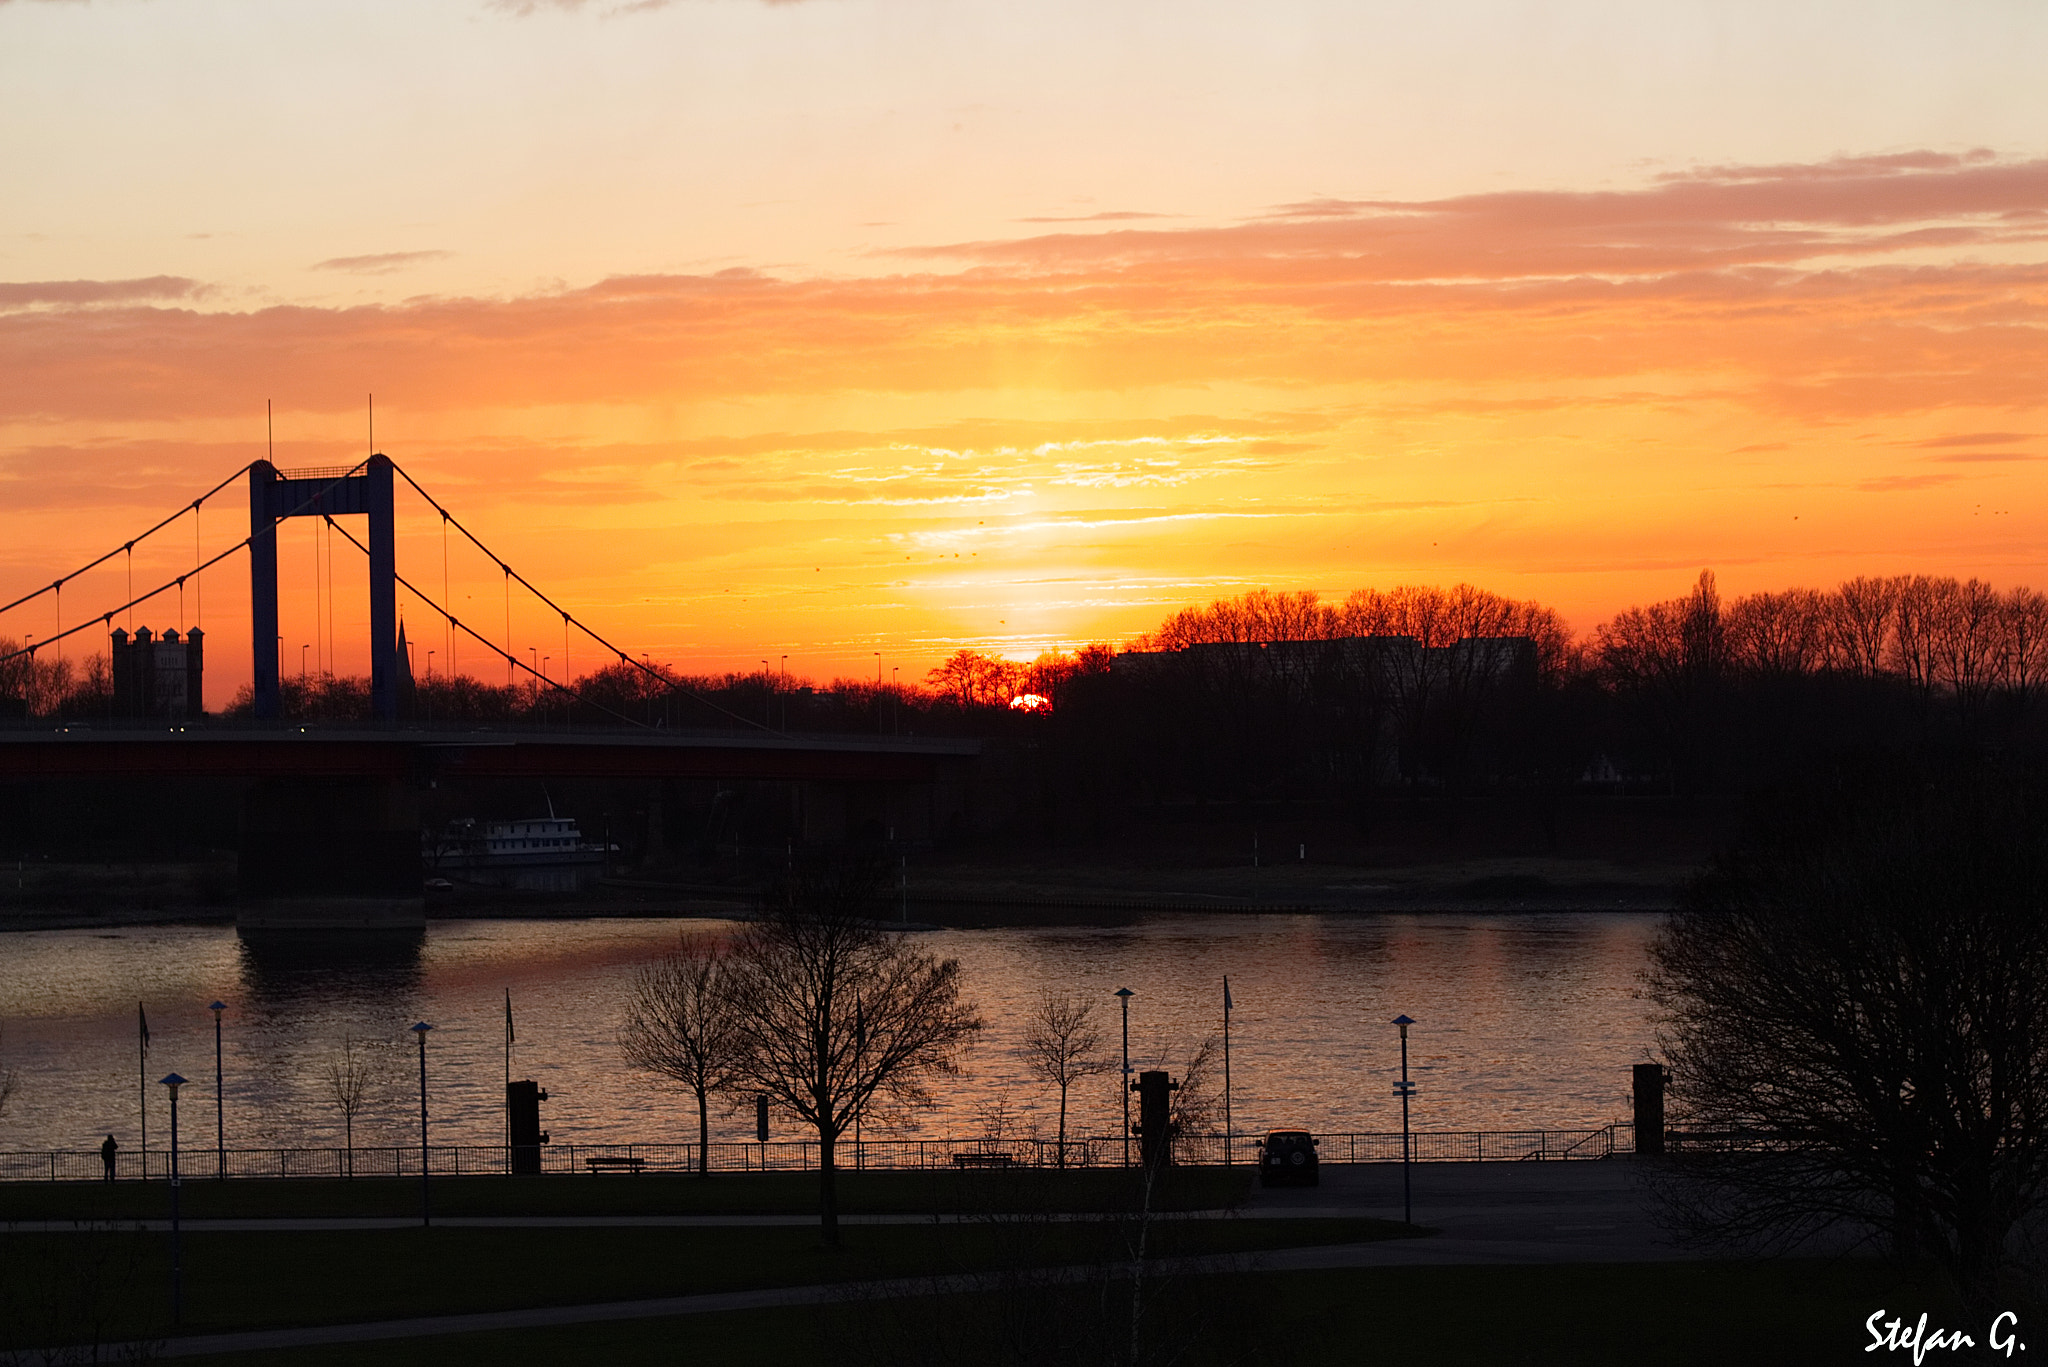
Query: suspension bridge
point(331, 814)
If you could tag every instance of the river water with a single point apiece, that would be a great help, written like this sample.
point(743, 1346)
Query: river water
point(1523, 1022)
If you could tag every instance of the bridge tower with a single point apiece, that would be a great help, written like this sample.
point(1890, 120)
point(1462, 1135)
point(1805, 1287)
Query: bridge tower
point(275, 495)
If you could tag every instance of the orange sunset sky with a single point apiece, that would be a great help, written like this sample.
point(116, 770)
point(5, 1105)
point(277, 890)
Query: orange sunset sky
point(840, 328)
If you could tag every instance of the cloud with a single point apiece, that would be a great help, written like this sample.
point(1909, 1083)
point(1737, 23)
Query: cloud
point(1976, 439)
point(1718, 219)
point(1980, 457)
point(1766, 288)
point(1109, 216)
point(74, 292)
point(381, 263)
point(1896, 484)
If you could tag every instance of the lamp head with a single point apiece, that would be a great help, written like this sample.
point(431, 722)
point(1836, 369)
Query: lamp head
point(217, 1008)
point(421, 1029)
point(1125, 993)
point(1403, 1022)
point(174, 1082)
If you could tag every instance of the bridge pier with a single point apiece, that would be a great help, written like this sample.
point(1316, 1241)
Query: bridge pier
point(331, 854)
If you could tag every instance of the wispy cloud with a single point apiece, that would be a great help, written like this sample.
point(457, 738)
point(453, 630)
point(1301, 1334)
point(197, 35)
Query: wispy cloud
point(1108, 216)
point(1898, 484)
point(379, 263)
point(75, 292)
point(1976, 439)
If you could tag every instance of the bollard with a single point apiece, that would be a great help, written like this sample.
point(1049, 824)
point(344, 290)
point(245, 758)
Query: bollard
point(1650, 1080)
point(522, 1108)
point(1155, 1125)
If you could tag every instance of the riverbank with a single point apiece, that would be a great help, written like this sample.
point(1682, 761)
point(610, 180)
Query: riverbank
point(934, 891)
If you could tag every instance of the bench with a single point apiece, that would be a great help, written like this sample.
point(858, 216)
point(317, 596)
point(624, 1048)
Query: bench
point(981, 1160)
point(608, 1163)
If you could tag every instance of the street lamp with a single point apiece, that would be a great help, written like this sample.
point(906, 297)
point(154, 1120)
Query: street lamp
point(1405, 1089)
point(420, 1032)
point(302, 660)
point(220, 1123)
point(430, 666)
point(1124, 995)
point(173, 1082)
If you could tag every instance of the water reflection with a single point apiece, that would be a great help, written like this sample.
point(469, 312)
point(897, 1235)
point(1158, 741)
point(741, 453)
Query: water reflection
point(1525, 1021)
point(285, 967)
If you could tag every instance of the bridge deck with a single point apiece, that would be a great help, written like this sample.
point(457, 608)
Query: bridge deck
point(337, 752)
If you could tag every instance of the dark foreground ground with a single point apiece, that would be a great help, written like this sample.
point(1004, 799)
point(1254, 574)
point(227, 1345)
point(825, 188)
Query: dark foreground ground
point(1506, 1263)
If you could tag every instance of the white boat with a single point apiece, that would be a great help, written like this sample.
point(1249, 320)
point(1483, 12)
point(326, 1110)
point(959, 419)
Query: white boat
point(548, 848)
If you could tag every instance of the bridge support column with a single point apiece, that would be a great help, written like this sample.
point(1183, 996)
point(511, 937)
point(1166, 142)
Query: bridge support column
point(331, 854)
point(383, 591)
point(263, 587)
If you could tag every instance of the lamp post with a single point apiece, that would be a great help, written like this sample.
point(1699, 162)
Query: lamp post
point(220, 1123)
point(1226, 1069)
point(302, 660)
point(420, 1033)
point(1124, 995)
point(1405, 1089)
point(172, 1083)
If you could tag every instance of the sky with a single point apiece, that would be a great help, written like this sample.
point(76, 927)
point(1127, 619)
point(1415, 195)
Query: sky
point(860, 331)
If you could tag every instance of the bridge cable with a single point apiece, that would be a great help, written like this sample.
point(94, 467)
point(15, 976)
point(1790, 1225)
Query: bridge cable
point(168, 584)
point(129, 546)
point(460, 625)
point(510, 574)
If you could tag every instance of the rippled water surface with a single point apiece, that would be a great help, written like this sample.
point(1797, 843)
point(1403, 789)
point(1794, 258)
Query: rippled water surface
point(1524, 1021)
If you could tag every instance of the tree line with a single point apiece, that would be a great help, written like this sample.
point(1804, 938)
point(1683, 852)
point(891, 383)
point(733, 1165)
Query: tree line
point(1285, 695)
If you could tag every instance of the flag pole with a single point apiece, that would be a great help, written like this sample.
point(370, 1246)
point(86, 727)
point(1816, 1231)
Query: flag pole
point(1226, 1070)
point(142, 1080)
point(508, 1079)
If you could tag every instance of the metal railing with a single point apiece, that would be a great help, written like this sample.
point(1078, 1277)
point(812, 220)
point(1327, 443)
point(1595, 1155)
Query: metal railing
point(1092, 1151)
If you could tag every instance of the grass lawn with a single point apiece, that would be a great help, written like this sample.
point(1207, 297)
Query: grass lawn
point(723, 1193)
point(77, 1286)
point(1797, 1313)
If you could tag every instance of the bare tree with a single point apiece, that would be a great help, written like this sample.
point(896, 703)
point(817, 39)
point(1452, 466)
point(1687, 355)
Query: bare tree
point(350, 1074)
point(1196, 1100)
point(837, 1012)
point(1062, 1046)
point(1858, 998)
point(681, 1024)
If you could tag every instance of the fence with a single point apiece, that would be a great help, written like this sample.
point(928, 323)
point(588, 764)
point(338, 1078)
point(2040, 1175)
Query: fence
point(1094, 1151)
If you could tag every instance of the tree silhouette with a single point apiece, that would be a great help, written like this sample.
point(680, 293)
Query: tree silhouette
point(837, 1013)
point(1859, 994)
point(1062, 1046)
point(681, 1024)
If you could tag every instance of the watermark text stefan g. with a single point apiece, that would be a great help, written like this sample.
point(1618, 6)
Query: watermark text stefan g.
point(1895, 1335)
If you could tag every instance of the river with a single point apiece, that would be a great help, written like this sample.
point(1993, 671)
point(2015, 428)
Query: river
point(1523, 1021)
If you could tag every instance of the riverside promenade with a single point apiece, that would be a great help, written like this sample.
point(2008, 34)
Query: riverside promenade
point(1474, 1214)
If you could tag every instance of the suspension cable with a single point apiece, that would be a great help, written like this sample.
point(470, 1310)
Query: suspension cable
point(462, 626)
point(168, 584)
point(511, 574)
point(128, 546)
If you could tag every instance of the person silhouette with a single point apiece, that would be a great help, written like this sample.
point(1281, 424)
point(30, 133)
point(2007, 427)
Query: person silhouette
point(107, 1152)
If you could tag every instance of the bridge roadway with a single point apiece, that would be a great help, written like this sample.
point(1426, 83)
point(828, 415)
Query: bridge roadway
point(313, 752)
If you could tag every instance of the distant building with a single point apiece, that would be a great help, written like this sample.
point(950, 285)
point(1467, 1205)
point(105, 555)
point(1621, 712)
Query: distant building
point(1400, 663)
point(159, 677)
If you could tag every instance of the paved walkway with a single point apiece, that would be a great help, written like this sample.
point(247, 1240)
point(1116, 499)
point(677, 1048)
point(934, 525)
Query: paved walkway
point(1493, 1213)
point(1594, 1211)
